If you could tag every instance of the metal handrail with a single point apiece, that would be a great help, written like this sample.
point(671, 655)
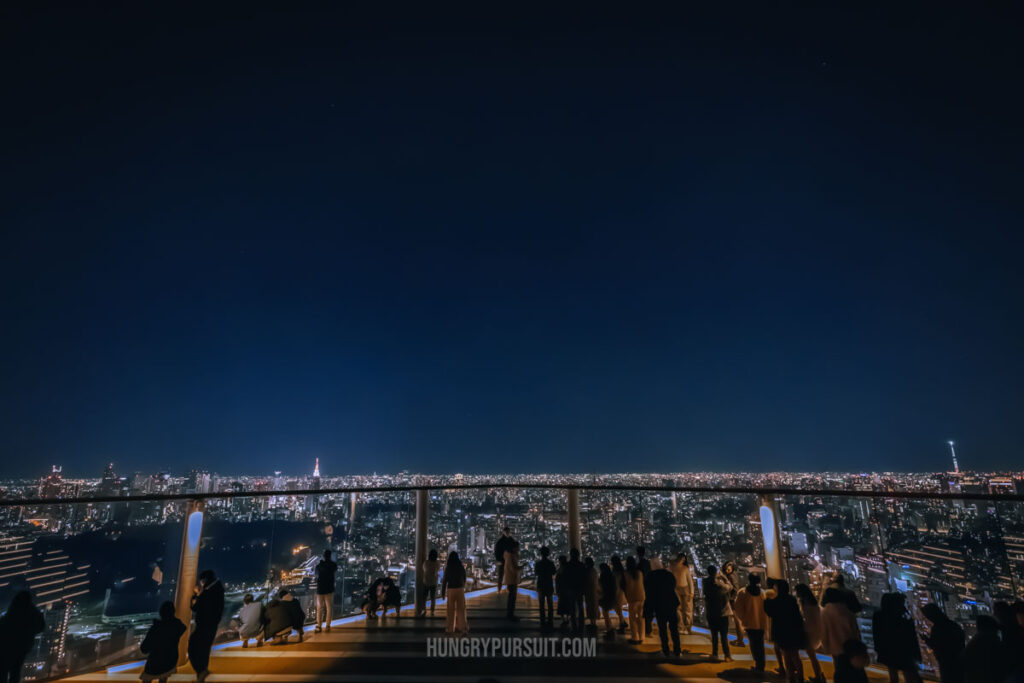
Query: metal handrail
point(754, 490)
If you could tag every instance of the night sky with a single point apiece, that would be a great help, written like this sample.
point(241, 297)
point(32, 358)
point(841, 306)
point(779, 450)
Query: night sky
point(503, 239)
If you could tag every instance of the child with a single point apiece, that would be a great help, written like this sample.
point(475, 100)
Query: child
point(161, 645)
point(850, 665)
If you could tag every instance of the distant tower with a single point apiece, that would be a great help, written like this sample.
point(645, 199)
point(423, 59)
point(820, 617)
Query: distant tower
point(316, 467)
point(956, 465)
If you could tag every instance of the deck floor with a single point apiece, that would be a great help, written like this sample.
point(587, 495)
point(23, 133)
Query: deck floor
point(394, 650)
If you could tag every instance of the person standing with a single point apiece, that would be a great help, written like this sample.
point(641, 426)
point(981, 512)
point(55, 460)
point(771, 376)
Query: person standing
point(503, 543)
point(576, 574)
point(609, 587)
point(947, 643)
point(716, 605)
point(730, 573)
point(590, 593)
point(635, 597)
point(895, 637)
point(453, 586)
point(19, 626)
point(544, 570)
point(983, 658)
point(511, 577)
point(431, 568)
point(207, 609)
point(748, 609)
point(620, 598)
point(811, 612)
point(643, 563)
point(161, 645)
point(680, 569)
point(838, 623)
point(661, 596)
point(326, 570)
point(787, 629)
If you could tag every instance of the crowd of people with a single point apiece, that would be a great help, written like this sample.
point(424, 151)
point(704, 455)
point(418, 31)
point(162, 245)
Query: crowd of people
point(638, 593)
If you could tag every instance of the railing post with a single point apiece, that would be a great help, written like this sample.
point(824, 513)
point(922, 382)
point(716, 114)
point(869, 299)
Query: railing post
point(422, 507)
point(573, 500)
point(774, 563)
point(188, 570)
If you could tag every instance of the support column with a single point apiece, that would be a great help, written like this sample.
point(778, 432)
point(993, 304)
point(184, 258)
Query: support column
point(188, 570)
point(774, 562)
point(422, 508)
point(573, 501)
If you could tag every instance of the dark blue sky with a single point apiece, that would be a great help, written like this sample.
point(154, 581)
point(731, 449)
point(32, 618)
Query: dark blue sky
point(510, 240)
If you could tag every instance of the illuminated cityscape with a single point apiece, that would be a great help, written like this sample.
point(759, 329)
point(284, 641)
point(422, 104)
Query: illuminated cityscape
point(961, 554)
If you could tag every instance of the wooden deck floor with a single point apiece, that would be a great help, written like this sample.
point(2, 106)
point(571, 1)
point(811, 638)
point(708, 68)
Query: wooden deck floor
point(395, 651)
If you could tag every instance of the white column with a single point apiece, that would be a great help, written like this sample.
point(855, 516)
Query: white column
point(573, 501)
point(422, 508)
point(188, 570)
point(774, 562)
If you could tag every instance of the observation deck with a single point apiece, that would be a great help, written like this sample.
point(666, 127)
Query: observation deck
point(139, 551)
point(394, 650)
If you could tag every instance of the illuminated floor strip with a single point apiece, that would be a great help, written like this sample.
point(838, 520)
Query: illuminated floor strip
point(308, 629)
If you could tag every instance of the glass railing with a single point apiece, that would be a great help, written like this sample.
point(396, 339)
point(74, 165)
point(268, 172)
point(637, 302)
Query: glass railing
point(100, 569)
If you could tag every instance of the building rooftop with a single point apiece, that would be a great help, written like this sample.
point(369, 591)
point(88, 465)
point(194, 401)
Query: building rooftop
point(394, 650)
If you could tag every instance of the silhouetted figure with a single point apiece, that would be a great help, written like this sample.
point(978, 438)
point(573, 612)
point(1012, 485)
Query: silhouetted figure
point(283, 615)
point(503, 543)
point(680, 568)
point(544, 569)
point(811, 611)
point(19, 626)
point(644, 565)
point(562, 591)
point(635, 598)
point(207, 609)
point(374, 597)
point(576, 578)
point(947, 642)
point(453, 587)
point(511, 577)
point(590, 593)
point(716, 605)
point(787, 629)
point(392, 598)
point(661, 596)
point(250, 620)
point(1012, 635)
point(749, 611)
point(326, 569)
point(729, 572)
point(984, 659)
point(619, 570)
point(838, 623)
point(161, 645)
point(431, 570)
point(851, 662)
point(609, 590)
point(895, 638)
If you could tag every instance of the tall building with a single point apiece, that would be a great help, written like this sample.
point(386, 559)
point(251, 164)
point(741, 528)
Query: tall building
point(110, 485)
point(55, 582)
point(52, 485)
